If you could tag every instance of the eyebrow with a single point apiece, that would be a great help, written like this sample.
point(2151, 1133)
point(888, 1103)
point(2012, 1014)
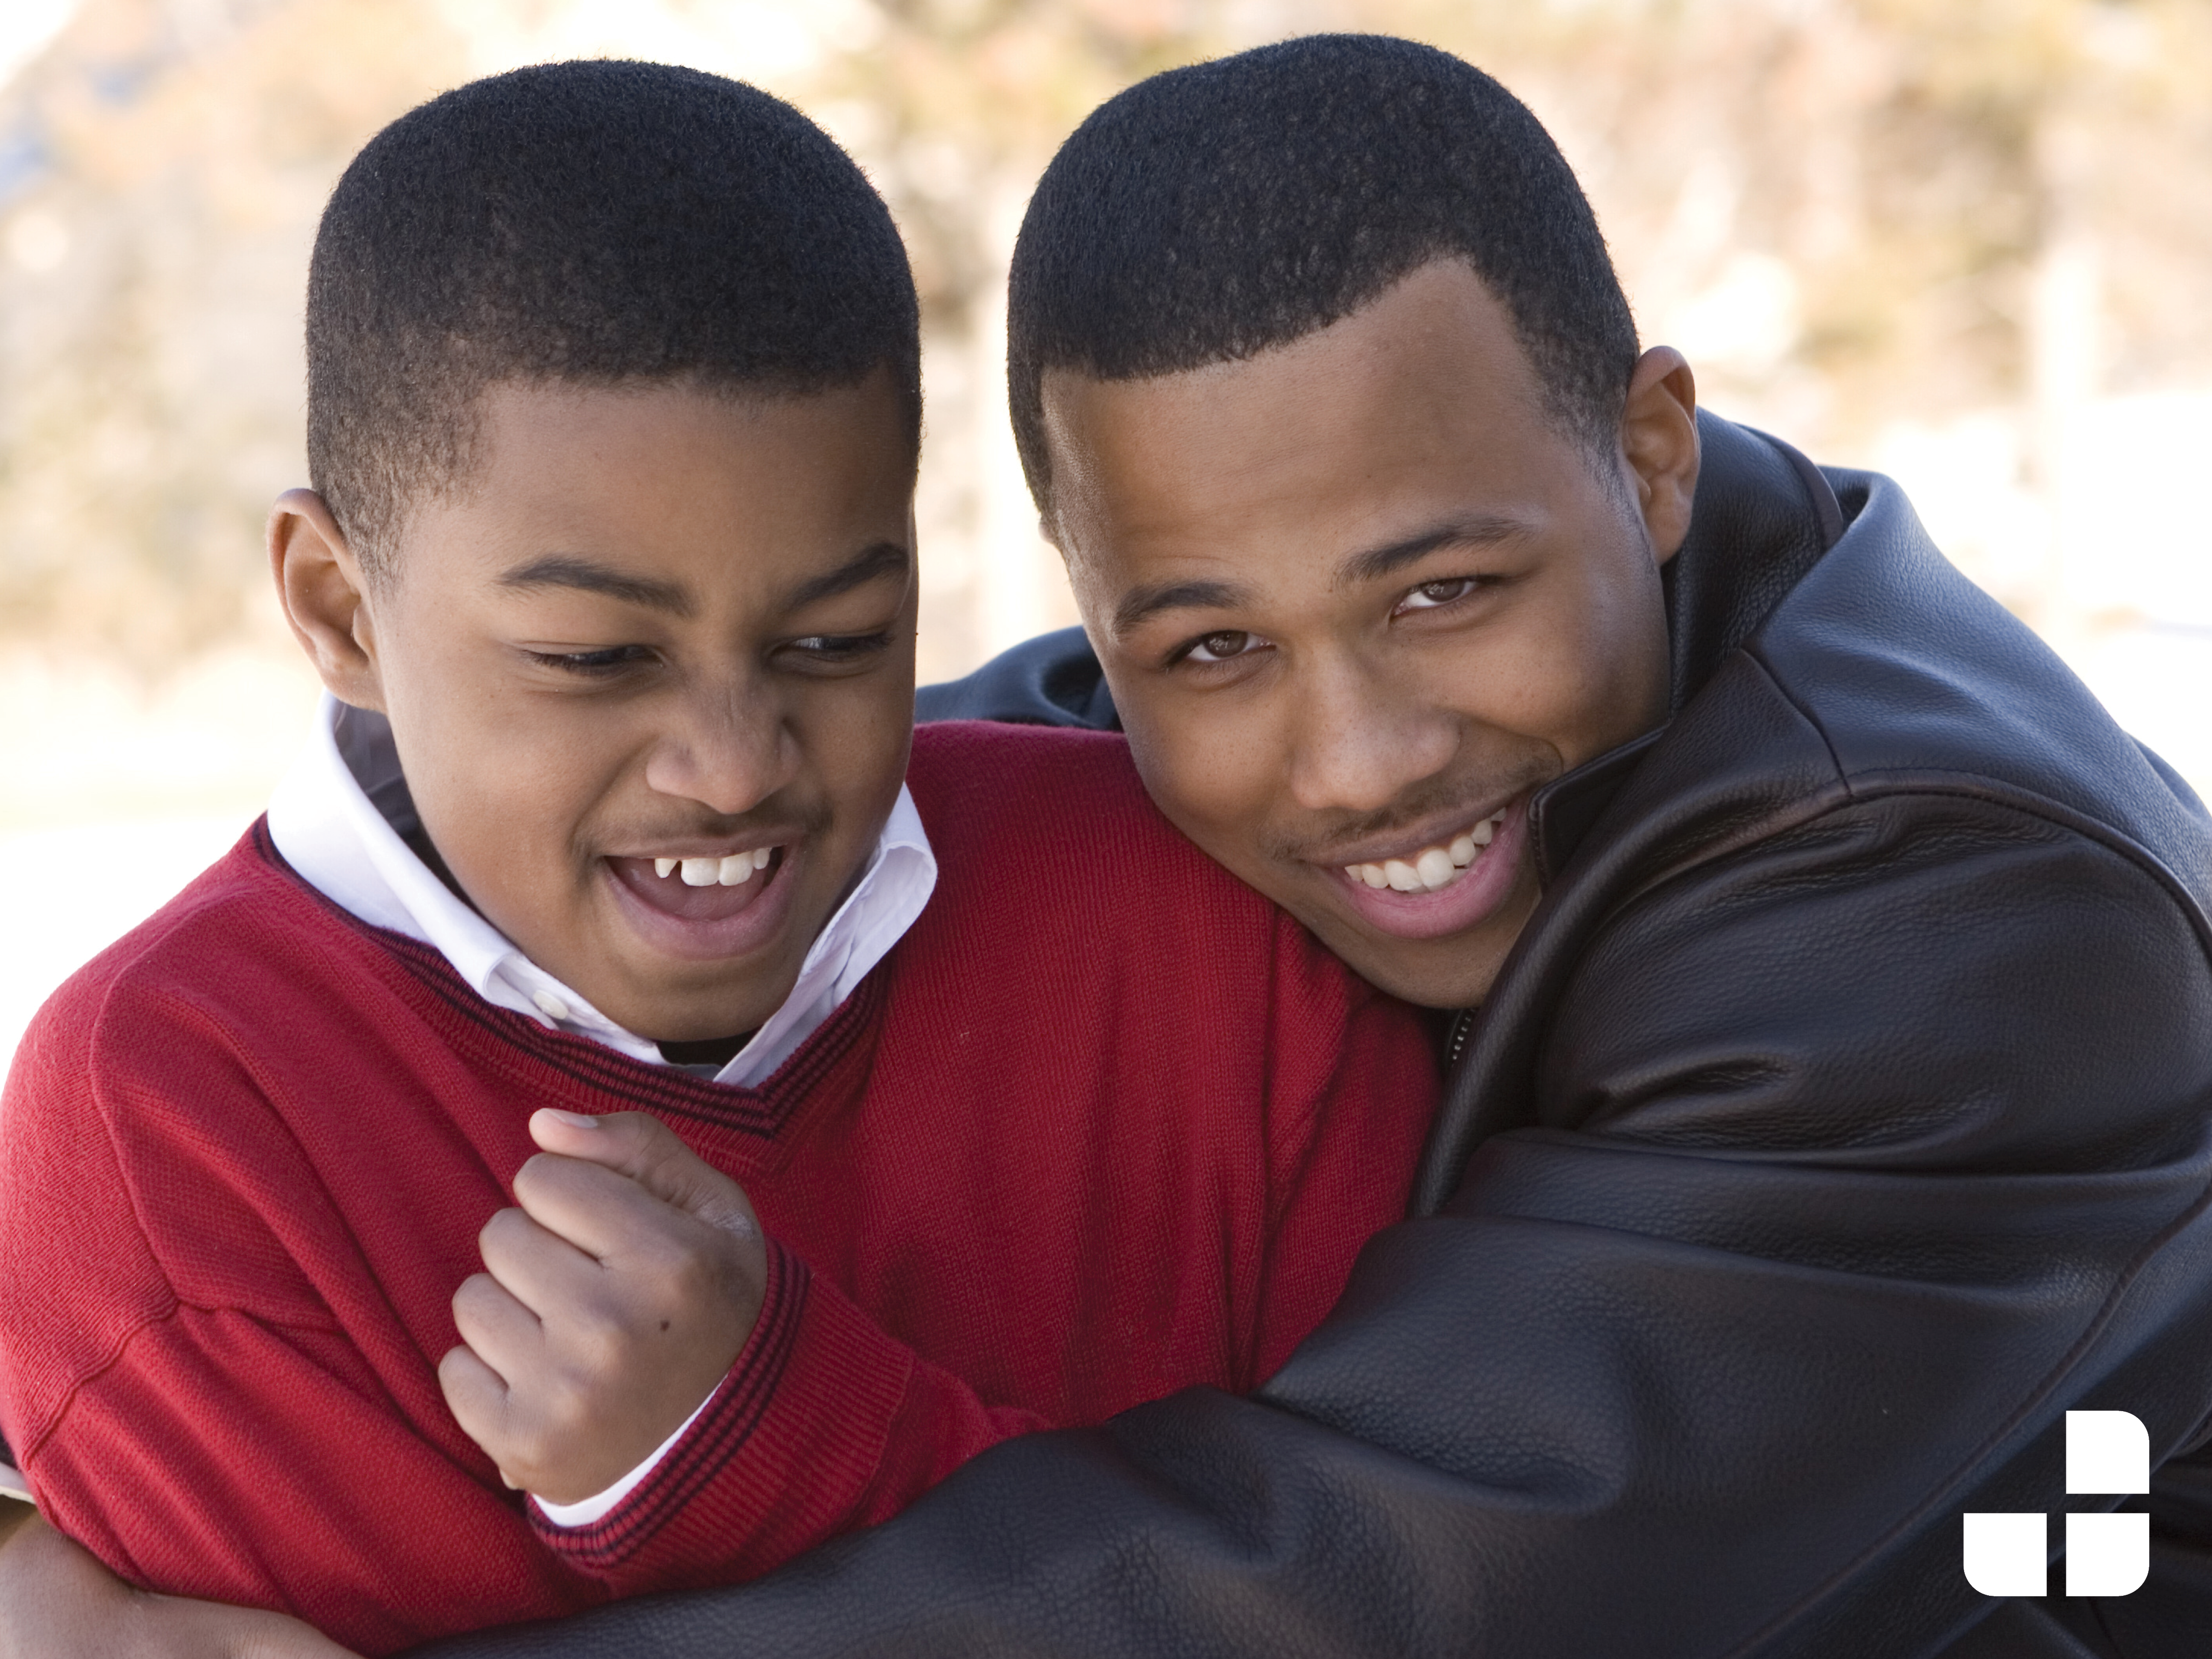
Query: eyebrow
point(1139, 603)
point(586, 575)
point(869, 564)
point(567, 570)
point(1482, 529)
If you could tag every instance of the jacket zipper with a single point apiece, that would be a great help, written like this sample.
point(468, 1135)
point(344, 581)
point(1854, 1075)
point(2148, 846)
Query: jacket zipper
point(1455, 1040)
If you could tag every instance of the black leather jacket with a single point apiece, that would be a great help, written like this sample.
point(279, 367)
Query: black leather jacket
point(1839, 1121)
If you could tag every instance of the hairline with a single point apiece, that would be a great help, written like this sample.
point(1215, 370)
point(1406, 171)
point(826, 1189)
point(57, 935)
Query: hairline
point(460, 427)
point(1600, 451)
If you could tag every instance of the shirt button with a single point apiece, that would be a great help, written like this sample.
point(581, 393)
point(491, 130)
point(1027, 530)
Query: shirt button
point(550, 1006)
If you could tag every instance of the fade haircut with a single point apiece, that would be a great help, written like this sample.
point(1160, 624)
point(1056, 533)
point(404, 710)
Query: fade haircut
point(597, 223)
point(1210, 213)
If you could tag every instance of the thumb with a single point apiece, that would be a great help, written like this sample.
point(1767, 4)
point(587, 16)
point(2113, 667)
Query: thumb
point(643, 1147)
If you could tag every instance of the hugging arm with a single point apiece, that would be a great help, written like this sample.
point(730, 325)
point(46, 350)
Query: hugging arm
point(1781, 1263)
point(57, 1602)
point(1758, 1289)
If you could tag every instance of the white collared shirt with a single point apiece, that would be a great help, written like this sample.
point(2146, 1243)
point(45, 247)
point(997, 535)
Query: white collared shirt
point(338, 818)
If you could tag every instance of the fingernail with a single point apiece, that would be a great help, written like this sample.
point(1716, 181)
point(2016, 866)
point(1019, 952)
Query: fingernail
point(574, 1120)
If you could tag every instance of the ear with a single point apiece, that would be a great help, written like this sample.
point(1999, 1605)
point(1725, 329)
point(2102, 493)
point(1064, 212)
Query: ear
point(1659, 441)
point(325, 597)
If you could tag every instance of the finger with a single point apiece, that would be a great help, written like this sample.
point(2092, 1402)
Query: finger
point(505, 1333)
point(545, 1268)
point(643, 1147)
point(477, 1397)
point(601, 1213)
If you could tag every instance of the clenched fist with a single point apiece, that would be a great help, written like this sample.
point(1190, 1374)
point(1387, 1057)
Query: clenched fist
point(613, 1302)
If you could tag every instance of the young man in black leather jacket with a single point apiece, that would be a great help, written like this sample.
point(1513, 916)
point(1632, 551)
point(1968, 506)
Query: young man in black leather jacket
point(1829, 1116)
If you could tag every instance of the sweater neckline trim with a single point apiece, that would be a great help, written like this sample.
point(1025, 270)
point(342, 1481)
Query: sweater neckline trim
point(762, 1110)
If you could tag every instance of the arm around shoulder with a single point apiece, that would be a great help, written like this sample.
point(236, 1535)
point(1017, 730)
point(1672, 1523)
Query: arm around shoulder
point(1847, 1164)
point(57, 1602)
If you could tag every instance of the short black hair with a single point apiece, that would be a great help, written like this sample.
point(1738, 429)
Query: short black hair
point(598, 223)
point(1211, 212)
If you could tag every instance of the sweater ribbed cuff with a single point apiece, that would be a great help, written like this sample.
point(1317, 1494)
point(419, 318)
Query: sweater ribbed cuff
point(781, 1457)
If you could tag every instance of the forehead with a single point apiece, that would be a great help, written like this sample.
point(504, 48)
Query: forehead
point(1420, 405)
point(669, 475)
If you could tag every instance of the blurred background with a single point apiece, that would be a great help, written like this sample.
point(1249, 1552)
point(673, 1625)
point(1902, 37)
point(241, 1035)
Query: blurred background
point(1965, 241)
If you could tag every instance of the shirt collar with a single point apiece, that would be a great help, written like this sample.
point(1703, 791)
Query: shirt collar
point(340, 816)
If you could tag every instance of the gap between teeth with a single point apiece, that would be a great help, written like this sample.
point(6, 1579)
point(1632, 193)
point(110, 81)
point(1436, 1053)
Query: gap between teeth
point(1432, 867)
point(731, 871)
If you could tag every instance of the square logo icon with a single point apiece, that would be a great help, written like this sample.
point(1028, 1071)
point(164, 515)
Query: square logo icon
point(2106, 1452)
point(2107, 1554)
point(2007, 1554)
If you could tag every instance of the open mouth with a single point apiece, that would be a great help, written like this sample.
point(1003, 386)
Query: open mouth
point(701, 888)
point(1446, 887)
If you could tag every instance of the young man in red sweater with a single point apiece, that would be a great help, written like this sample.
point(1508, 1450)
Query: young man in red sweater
point(886, 1110)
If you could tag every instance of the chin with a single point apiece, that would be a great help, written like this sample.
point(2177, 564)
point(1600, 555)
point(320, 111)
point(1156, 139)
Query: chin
point(1450, 994)
point(1450, 973)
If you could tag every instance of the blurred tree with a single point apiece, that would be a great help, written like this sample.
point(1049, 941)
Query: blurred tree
point(1848, 211)
point(165, 165)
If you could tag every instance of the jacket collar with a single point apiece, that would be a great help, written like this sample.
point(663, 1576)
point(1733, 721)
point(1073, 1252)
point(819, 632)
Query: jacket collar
point(1764, 517)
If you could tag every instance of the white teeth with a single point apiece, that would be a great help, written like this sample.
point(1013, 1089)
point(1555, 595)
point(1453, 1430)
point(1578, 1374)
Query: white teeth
point(1431, 868)
point(732, 871)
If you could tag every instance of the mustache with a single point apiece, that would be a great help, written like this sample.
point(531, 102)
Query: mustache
point(781, 820)
point(1430, 802)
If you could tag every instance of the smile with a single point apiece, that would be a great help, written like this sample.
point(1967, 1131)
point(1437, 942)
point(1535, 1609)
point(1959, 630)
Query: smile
point(705, 905)
point(733, 871)
point(1432, 868)
point(1455, 884)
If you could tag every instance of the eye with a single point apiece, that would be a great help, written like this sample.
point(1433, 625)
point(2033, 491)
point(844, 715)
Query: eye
point(1230, 643)
point(1429, 596)
point(598, 664)
point(834, 650)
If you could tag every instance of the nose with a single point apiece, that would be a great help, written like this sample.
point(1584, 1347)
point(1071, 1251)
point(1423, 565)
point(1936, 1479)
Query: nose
point(1359, 738)
point(726, 745)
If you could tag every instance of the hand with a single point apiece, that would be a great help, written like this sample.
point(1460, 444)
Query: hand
point(57, 1602)
point(615, 1299)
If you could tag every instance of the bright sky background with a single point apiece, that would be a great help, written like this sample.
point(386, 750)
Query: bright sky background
point(26, 26)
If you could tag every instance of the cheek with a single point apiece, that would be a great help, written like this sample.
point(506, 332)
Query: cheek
point(1586, 671)
point(1214, 777)
point(857, 735)
point(1623, 691)
point(504, 787)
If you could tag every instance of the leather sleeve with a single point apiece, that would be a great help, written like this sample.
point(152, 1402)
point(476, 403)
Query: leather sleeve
point(1852, 1160)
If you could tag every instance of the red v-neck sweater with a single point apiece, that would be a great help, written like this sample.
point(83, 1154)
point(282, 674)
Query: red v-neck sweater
point(1104, 1125)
